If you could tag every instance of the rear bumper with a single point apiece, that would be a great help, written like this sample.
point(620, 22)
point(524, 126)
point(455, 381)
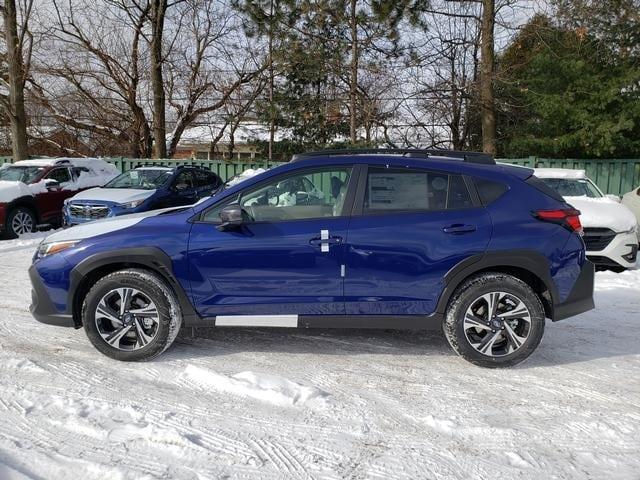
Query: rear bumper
point(42, 307)
point(580, 299)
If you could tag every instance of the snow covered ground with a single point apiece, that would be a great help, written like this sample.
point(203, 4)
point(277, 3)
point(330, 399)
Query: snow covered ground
point(276, 404)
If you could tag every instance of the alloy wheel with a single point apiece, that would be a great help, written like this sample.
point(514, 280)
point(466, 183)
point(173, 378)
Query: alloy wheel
point(22, 223)
point(127, 319)
point(497, 324)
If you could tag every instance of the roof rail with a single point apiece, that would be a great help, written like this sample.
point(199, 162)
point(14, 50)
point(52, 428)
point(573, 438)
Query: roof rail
point(471, 157)
point(62, 161)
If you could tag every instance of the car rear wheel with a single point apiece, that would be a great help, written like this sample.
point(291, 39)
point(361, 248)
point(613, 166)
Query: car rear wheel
point(131, 315)
point(494, 320)
point(20, 220)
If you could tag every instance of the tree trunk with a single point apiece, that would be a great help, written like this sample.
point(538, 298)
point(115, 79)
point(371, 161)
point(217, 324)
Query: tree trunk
point(158, 10)
point(353, 81)
point(16, 79)
point(487, 107)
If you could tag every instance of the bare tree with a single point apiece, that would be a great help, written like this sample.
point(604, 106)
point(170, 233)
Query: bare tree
point(205, 71)
point(99, 72)
point(19, 44)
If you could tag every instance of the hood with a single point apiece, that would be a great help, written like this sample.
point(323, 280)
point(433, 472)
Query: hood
point(603, 213)
point(11, 190)
point(106, 225)
point(115, 195)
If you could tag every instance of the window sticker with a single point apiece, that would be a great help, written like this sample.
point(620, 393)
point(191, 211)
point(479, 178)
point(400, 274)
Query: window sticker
point(397, 191)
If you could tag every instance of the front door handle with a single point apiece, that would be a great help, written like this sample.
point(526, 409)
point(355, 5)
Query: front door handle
point(324, 240)
point(459, 228)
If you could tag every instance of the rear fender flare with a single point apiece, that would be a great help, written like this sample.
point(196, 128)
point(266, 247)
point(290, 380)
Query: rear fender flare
point(531, 261)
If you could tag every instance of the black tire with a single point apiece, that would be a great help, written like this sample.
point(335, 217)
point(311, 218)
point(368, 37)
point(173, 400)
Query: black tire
point(20, 213)
point(150, 286)
point(468, 295)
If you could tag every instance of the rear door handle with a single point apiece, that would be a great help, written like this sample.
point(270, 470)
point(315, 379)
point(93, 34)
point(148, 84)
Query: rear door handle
point(331, 240)
point(459, 228)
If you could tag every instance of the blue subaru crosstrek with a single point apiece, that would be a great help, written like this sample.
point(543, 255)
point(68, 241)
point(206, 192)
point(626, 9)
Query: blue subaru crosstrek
point(140, 190)
point(394, 239)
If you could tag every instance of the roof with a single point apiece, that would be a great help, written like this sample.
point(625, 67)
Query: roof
point(50, 162)
point(432, 154)
point(153, 167)
point(559, 173)
point(245, 132)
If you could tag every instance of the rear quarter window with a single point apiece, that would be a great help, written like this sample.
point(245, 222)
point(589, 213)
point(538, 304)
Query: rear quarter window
point(489, 190)
point(539, 185)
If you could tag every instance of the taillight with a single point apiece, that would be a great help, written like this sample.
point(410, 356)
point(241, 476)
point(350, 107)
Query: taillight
point(567, 217)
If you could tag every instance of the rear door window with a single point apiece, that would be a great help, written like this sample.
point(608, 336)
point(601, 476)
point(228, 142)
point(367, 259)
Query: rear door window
point(406, 190)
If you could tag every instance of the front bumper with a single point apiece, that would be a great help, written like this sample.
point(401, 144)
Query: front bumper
point(621, 252)
point(42, 307)
point(580, 298)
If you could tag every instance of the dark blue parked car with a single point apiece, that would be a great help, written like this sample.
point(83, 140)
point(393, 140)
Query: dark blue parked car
point(140, 190)
point(399, 239)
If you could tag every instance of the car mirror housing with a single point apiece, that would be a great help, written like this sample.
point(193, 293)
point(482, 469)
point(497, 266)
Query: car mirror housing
point(232, 217)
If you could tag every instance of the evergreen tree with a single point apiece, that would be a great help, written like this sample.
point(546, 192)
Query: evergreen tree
point(567, 92)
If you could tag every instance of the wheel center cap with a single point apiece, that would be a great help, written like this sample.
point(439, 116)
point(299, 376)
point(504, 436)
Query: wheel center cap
point(127, 318)
point(496, 323)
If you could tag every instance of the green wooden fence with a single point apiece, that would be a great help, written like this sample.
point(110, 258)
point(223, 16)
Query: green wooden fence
point(616, 176)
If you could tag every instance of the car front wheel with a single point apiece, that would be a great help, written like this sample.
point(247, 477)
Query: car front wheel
point(20, 220)
point(494, 320)
point(131, 315)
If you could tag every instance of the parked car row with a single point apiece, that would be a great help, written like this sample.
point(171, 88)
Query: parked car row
point(70, 191)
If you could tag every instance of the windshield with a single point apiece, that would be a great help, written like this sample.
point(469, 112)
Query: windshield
point(20, 174)
point(142, 179)
point(573, 187)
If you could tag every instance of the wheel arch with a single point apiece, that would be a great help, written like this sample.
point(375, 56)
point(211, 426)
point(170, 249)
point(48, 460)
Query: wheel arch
point(529, 266)
point(25, 201)
point(95, 267)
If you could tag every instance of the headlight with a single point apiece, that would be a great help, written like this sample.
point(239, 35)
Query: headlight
point(46, 249)
point(135, 204)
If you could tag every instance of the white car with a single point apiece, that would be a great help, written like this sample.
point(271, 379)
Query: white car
point(610, 228)
point(631, 200)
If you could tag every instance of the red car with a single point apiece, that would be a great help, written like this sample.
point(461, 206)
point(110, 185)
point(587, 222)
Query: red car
point(32, 192)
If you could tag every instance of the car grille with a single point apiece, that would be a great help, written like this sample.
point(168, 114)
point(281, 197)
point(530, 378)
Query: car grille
point(89, 212)
point(596, 239)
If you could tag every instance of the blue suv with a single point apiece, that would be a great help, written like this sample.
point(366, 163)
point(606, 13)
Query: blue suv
point(140, 190)
point(394, 239)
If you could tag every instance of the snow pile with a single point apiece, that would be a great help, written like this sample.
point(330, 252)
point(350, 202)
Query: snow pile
point(100, 172)
point(241, 177)
point(266, 388)
point(603, 213)
point(559, 173)
point(11, 190)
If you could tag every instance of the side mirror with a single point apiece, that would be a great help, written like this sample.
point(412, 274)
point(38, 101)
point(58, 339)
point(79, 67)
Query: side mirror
point(52, 184)
point(615, 198)
point(232, 217)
